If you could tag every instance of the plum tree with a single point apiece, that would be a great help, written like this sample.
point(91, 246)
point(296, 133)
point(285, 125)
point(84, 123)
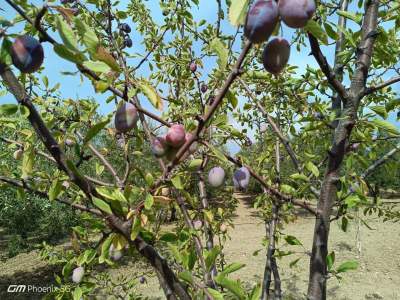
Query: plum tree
point(125, 117)
point(261, 20)
point(216, 176)
point(159, 146)
point(204, 88)
point(276, 55)
point(27, 54)
point(18, 154)
point(77, 274)
point(296, 13)
point(176, 135)
point(241, 178)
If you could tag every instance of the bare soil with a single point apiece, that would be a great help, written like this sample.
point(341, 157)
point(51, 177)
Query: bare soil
point(378, 275)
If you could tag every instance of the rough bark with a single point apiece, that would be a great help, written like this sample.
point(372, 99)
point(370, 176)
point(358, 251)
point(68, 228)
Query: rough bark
point(318, 267)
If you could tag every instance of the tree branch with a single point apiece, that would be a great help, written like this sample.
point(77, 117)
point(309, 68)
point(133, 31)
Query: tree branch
point(326, 69)
point(380, 161)
point(280, 196)
point(375, 88)
point(284, 140)
point(25, 186)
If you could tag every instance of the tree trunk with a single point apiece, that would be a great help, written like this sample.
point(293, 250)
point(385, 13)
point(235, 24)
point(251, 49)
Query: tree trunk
point(318, 266)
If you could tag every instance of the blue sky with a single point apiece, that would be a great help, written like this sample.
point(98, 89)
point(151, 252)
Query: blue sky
point(71, 87)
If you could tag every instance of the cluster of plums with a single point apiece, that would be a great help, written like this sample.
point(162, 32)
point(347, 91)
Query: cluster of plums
point(241, 177)
point(166, 146)
point(125, 29)
point(262, 19)
point(27, 54)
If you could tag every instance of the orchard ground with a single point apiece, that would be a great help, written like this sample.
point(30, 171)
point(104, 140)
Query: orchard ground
point(377, 277)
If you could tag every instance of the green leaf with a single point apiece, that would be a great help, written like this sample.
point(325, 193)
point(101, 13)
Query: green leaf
point(344, 224)
point(150, 92)
point(28, 161)
point(149, 201)
point(316, 30)
point(380, 110)
point(237, 12)
point(5, 57)
point(350, 15)
point(211, 256)
point(330, 31)
point(55, 189)
point(232, 268)
point(218, 47)
point(97, 66)
point(93, 131)
point(218, 154)
point(77, 293)
point(231, 285)
point(330, 260)
point(352, 200)
point(312, 168)
point(102, 205)
point(387, 126)
point(298, 176)
point(8, 109)
point(256, 292)
point(67, 54)
point(195, 164)
point(232, 99)
point(288, 189)
point(136, 227)
point(346, 266)
point(392, 104)
point(186, 276)
point(169, 237)
point(67, 35)
point(149, 179)
point(105, 249)
point(177, 182)
point(89, 37)
point(292, 240)
point(294, 262)
point(215, 294)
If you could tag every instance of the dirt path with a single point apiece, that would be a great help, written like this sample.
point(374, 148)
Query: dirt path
point(378, 276)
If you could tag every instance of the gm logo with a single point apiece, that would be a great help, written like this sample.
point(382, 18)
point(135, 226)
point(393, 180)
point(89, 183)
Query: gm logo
point(13, 288)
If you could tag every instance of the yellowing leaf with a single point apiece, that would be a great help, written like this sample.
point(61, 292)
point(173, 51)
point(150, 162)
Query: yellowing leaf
point(237, 12)
point(150, 92)
point(103, 55)
point(119, 242)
